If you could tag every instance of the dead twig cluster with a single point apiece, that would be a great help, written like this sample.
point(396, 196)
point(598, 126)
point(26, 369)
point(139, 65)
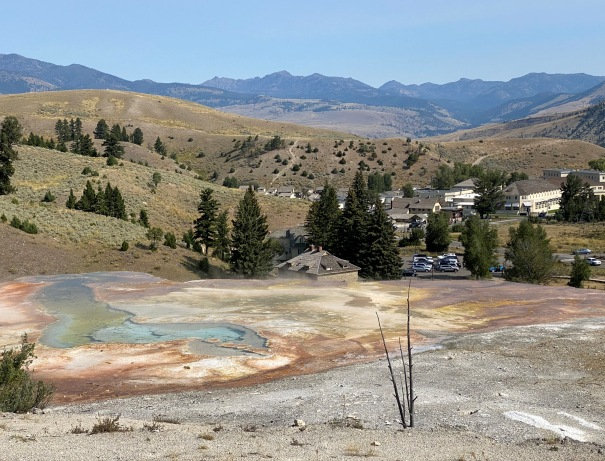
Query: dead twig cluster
point(405, 397)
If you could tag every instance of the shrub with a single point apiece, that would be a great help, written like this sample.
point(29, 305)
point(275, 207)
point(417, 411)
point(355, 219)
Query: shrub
point(108, 424)
point(111, 161)
point(18, 392)
point(580, 272)
point(170, 240)
point(154, 234)
point(3, 218)
point(124, 246)
point(25, 226)
point(204, 265)
point(48, 197)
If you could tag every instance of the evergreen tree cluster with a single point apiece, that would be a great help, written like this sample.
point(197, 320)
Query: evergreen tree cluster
point(362, 233)
point(39, 141)
point(71, 131)
point(378, 183)
point(102, 131)
point(107, 202)
point(276, 142)
point(68, 131)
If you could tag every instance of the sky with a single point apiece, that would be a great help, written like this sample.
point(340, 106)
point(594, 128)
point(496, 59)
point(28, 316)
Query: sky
point(411, 41)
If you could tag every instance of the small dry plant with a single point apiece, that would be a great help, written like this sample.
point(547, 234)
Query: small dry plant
point(108, 424)
point(78, 429)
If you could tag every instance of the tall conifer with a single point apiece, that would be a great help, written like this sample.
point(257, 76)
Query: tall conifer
point(251, 251)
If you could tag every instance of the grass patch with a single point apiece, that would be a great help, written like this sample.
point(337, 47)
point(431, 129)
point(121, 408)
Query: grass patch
point(206, 436)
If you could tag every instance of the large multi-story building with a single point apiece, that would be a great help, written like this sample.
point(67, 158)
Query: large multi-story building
point(532, 196)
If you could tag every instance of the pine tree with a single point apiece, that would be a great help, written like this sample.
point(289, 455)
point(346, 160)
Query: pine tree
point(101, 205)
point(222, 244)
point(205, 224)
point(437, 232)
point(10, 133)
point(137, 136)
point(102, 129)
point(87, 146)
point(251, 252)
point(353, 223)
point(77, 128)
point(321, 223)
point(480, 241)
point(71, 200)
point(113, 148)
point(144, 218)
point(159, 147)
point(88, 201)
point(382, 260)
point(116, 131)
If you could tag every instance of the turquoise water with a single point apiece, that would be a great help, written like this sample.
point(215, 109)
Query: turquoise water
point(81, 319)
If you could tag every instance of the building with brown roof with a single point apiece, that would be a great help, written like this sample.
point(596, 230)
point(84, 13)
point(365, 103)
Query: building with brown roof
point(318, 264)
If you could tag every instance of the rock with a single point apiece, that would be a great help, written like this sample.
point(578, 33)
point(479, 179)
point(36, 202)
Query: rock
point(37, 411)
point(299, 423)
point(375, 443)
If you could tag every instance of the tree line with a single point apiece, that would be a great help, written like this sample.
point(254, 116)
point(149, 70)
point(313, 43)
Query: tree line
point(107, 201)
point(361, 233)
point(245, 246)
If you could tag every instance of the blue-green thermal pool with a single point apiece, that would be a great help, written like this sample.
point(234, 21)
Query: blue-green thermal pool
point(81, 320)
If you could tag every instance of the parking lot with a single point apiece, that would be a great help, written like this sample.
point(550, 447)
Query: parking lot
point(435, 274)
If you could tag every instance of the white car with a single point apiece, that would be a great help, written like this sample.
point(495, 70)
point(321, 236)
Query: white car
point(593, 261)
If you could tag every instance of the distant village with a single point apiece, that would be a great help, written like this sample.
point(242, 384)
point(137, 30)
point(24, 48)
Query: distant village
point(529, 197)
point(538, 197)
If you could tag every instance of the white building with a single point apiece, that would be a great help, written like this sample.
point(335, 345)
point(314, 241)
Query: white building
point(532, 196)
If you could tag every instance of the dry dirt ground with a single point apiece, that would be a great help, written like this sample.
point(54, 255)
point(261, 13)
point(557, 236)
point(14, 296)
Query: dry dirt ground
point(524, 393)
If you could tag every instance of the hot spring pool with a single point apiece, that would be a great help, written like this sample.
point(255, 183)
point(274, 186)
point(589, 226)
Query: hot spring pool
point(81, 320)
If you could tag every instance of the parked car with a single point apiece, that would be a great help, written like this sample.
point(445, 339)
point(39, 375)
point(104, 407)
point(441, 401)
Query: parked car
point(582, 251)
point(448, 268)
point(422, 257)
point(422, 267)
point(593, 261)
point(497, 268)
point(423, 261)
point(408, 273)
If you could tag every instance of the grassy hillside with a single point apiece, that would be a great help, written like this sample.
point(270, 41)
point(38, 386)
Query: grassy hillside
point(584, 125)
point(95, 238)
point(206, 140)
point(527, 155)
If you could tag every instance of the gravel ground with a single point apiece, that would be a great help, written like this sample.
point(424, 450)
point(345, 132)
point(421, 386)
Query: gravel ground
point(523, 393)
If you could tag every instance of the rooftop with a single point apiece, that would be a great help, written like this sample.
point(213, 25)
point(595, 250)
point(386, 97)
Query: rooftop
point(316, 261)
point(530, 186)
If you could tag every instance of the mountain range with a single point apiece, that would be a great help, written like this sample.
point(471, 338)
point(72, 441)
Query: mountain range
point(344, 104)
